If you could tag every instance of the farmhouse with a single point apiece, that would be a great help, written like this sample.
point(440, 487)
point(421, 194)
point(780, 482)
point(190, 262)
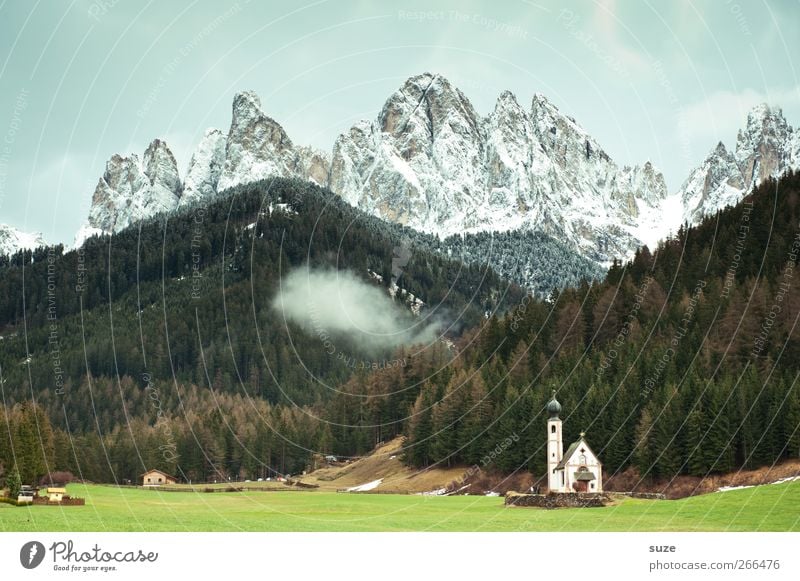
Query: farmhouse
point(579, 470)
point(157, 478)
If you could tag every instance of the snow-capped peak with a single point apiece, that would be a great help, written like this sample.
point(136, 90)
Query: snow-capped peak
point(205, 168)
point(13, 240)
point(258, 147)
point(132, 190)
point(430, 161)
point(766, 147)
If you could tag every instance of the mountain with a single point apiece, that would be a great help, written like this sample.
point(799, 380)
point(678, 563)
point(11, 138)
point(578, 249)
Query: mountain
point(767, 147)
point(211, 291)
point(205, 168)
point(132, 190)
point(431, 162)
point(259, 148)
point(13, 240)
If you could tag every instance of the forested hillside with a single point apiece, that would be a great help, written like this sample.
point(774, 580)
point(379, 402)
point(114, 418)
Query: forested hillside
point(175, 319)
point(682, 361)
point(530, 258)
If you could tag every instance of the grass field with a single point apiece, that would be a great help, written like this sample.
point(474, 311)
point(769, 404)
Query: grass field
point(774, 507)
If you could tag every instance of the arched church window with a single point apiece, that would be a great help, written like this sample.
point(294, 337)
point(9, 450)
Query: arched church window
point(582, 460)
point(552, 429)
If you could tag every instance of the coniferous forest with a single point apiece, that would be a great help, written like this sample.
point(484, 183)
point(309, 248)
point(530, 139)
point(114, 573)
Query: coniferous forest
point(160, 347)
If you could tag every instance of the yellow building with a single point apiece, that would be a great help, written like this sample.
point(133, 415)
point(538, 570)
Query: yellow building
point(56, 494)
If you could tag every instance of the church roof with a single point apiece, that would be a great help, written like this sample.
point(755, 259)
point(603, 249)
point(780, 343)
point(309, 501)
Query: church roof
point(571, 451)
point(568, 455)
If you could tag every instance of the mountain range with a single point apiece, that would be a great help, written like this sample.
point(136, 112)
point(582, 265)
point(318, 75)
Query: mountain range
point(429, 161)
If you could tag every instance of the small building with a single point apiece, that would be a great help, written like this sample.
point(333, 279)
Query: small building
point(157, 478)
point(56, 494)
point(577, 470)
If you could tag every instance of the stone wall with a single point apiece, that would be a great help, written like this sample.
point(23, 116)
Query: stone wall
point(556, 500)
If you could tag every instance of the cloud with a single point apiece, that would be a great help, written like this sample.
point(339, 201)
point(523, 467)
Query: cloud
point(337, 306)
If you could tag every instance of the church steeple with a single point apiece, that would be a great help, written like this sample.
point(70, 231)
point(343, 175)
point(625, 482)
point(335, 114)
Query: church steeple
point(555, 445)
point(553, 407)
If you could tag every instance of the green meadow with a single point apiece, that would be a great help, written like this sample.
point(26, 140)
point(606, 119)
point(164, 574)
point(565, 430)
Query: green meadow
point(774, 507)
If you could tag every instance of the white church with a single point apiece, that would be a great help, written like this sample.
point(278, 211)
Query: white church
point(579, 470)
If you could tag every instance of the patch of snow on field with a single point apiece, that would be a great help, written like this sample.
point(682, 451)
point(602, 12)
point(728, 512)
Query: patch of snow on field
point(437, 492)
point(781, 481)
point(365, 487)
point(729, 488)
point(789, 479)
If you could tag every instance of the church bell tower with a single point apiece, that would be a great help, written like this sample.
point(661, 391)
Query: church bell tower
point(555, 445)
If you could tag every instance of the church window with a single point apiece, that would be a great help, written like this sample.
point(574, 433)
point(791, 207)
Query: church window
point(552, 429)
point(582, 459)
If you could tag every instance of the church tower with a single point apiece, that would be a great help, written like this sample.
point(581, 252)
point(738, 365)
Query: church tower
point(555, 446)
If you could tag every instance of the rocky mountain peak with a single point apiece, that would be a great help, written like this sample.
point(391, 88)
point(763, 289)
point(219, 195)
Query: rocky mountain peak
point(13, 240)
point(205, 168)
point(160, 167)
point(763, 147)
point(131, 190)
point(425, 103)
point(258, 147)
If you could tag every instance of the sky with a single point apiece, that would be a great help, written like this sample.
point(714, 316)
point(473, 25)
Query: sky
point(83, 80)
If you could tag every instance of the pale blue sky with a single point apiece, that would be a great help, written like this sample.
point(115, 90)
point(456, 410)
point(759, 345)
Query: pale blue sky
point(82, 80)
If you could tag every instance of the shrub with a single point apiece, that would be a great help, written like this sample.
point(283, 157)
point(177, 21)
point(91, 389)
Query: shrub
point(60, 477)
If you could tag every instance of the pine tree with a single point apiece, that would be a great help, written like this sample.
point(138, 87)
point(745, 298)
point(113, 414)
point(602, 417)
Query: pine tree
point(14, 483)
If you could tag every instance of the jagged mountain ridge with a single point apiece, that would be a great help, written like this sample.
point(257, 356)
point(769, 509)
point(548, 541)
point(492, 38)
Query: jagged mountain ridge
point(431, 162)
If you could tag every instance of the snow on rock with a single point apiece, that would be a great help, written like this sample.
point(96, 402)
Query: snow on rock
point(431, 162)
point(84, 233)
point(13, 240)
point(766, 147)
point(205, 168)
point(428, 160)
point(130, 190)
point(258, 148)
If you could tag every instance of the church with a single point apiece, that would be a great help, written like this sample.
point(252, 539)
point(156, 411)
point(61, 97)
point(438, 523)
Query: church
point(579, 470)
